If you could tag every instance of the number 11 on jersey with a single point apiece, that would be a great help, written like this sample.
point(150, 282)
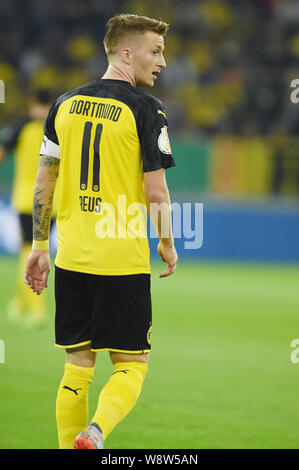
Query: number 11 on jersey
point(85, 157)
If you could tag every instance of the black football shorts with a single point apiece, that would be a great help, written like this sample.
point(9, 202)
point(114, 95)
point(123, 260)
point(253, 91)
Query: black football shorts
point(108, 312)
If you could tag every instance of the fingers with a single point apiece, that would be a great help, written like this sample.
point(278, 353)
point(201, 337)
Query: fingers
point(168, 271)
point(37, 271)
point(41, 284)
point(28, 280)
point(45, 275)
point(169, 256)
point(162, 257)
point(37, 284)
point(161, 254)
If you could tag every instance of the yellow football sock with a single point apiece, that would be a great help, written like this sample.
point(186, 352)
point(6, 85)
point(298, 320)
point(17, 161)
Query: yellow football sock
point(119, 394)
point(25, 300)
point(72, 403)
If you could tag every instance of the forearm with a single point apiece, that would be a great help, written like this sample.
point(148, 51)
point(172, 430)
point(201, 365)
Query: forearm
point(159, 209)
point(42, 209)
point(43, 197)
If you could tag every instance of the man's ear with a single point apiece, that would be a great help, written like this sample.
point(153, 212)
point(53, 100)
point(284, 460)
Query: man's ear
point(126, 55)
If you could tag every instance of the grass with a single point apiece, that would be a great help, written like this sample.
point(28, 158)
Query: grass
point(220, 373)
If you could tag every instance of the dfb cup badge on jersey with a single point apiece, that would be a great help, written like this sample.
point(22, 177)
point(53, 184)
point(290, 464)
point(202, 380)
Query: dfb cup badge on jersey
point(163, 141)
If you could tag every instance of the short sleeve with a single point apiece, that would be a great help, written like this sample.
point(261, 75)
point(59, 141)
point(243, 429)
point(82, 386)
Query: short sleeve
point(153, 136)
point(49, 127)
point(49, 148)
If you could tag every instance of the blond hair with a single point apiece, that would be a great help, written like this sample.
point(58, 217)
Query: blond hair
point(125, 24)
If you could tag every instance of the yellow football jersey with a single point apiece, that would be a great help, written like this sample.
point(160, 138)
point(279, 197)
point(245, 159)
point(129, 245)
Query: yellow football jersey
point(24, 137)
point(108, 133)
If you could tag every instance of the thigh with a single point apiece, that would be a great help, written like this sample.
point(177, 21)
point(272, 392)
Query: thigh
point(73, 309)
point(122, 313)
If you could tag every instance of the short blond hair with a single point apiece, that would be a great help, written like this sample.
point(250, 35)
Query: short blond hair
point(125, 24)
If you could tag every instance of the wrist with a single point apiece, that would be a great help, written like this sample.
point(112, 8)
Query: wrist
point(165, 242)
point(40, 245)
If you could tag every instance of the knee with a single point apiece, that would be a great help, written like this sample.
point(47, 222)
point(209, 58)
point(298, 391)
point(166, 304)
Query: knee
point(83, 357)
point(122, 357)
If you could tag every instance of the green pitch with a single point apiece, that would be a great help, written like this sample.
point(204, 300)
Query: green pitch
point(220, 373)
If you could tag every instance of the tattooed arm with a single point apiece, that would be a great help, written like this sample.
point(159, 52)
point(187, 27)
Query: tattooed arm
point(38, 264)
point(43, 196)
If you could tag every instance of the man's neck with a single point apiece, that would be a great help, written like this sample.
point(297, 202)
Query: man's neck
point(114, 72)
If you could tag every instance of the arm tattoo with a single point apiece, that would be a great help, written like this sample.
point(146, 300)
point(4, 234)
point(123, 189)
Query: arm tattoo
point(52, 164)
point(43, 198)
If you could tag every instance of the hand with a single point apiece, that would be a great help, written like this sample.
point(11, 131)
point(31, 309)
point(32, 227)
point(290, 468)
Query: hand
point(37, 270)
point(168, 255)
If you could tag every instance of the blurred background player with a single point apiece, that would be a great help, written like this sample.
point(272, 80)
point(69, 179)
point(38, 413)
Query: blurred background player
point(24, 137)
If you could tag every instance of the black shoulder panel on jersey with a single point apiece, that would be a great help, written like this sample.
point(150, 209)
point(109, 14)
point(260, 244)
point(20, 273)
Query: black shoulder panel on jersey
point(148, 111)
point(151, 121)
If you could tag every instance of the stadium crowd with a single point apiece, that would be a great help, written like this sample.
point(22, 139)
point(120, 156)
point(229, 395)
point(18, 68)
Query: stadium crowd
point(229, 63)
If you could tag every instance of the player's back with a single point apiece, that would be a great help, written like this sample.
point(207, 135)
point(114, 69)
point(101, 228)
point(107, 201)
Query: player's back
point(103, 139)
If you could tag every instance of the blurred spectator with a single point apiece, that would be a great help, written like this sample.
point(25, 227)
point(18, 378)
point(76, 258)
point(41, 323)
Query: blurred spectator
point(227, 62)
